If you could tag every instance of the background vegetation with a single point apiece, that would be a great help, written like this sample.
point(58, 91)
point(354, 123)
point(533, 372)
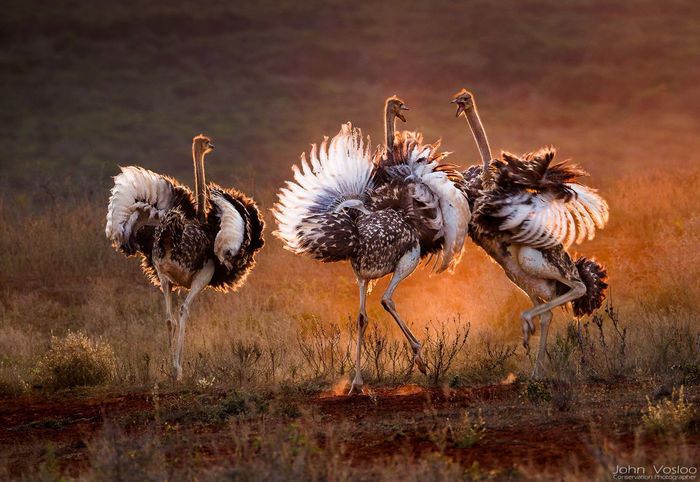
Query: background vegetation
point(88, 86)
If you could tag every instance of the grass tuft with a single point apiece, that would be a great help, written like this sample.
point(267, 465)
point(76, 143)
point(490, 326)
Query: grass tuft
point(76, 361)
point(671, 415)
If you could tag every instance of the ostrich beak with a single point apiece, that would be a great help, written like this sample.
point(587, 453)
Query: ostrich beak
point(460, 107)
point(399, 114)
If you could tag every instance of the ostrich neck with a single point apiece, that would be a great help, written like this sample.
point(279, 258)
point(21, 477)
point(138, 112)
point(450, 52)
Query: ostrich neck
point(200, 188)
point(482, 142)
point(389, 127)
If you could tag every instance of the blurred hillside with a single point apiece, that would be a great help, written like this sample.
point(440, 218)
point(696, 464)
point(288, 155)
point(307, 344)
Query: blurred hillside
point(89, 85)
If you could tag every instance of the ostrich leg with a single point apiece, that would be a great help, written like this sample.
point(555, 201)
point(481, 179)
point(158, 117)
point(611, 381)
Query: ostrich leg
point(406, 265)
point(529, 329)
point(533, 262)
point(545, 318)
point(199, 282)
point(529, 326)
point(170, 321)
point(361, 326)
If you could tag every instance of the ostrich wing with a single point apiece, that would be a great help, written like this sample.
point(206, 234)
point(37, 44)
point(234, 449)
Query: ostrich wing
point(539, 203)
point(310, 211)
point(454, 209)
point(434, 186)
point(231, 226)
point(236, 226)
point(140, 198)
point(545, 220)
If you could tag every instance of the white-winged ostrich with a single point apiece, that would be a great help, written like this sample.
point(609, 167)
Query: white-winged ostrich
point(526, 213)
point(337, 209)
point(183, 244)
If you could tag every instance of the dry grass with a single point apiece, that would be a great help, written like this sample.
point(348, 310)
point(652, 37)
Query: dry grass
point(673, 414)
point(89, 88)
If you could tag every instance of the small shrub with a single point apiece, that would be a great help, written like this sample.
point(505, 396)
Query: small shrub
point(602, 343)
point(441, 346)
point(323, 351)
point(242, 404)
point(467, 431)
point(246, 357)
point(491, 363)
point(464, 432)
point(563, 353)
point(286, 407)
point(76, 361)
point(536, 392)
point(390, 359)
point(672, 415)
point(562, 396)
point(205, 383)
point(689, 373)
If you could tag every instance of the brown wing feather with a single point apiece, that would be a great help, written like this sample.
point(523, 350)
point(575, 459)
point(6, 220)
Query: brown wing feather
point(534, 171)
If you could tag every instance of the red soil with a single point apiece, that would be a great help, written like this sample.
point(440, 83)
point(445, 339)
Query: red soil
point(372, 427)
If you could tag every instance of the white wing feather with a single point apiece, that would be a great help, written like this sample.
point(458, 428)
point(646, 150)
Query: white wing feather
point(138, 194)
point(229, 239)
point(542, 221)
point(339, 170)
point(453, 206)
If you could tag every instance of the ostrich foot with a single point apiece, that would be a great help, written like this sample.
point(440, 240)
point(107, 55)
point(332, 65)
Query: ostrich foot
point(356, 388)
point(420, 363)
point(528, 329)
point(528, 325)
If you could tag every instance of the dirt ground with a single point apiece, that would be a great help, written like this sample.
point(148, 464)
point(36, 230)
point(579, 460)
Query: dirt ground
point(525, 437)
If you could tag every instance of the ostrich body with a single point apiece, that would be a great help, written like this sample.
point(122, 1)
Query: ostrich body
point(183, 244)
point(339, 209)
point(526, 213)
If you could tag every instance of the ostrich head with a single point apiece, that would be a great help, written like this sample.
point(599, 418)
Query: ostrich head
point(394, 106)
point(202, 144)
point(464, 100)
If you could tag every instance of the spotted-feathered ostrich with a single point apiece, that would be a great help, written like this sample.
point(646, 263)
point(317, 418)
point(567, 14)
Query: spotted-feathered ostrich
point(183, 244)
point(526, 213)
point(336, 209)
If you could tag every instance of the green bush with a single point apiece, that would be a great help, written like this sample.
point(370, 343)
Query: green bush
point(75, 361)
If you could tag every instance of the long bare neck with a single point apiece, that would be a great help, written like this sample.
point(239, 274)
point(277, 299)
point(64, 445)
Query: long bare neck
point(389, 128)
point(200, 188)
point(482, 142)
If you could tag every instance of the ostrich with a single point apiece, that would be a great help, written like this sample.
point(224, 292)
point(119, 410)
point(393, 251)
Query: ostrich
point(392, 111)
point(336, 210)
point(183, 245)
point(526, 213)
